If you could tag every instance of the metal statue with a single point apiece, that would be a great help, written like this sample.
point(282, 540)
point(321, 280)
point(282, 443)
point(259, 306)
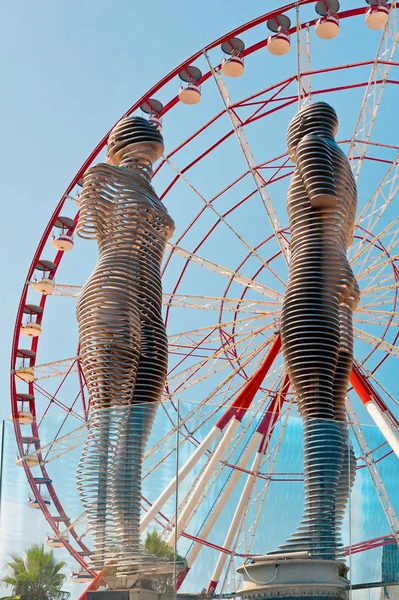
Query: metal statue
point(123, 343)
point(316, 324)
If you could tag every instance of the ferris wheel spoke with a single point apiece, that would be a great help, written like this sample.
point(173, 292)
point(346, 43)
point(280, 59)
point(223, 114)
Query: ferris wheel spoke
point(377, 313)
point(57, 368)
point(243, 363)
point(374, 91)
point(79, 519)
point(379, 280)
point(377, 205)
point(183, 384)
point(250, 160)
point(215, 353)
point(375, 317)
point(236, 277)
point(381, 296)
point(383, 301)
point(189, 337)
point(378, 265)
point(53, 400)
point(378, 322)
point(187, 300)
point(208, 398)
point(222, 218)
point(368, 263)
point(211, 365)
point(62, 289)
point(369, 291)
point(221, 303)
point(61, 446)
point(373, 471)
point(370, 244)
point(69, 413)
point(380, 262)
point(303, 61)
point(376, 342)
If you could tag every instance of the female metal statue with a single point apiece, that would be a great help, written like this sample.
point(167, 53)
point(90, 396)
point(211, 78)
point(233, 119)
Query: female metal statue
point(316, 324)
point(123, 344)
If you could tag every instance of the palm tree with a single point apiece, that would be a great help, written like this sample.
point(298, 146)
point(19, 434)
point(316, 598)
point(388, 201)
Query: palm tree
point(37, 577)
point(162, 583)
point(158, 547)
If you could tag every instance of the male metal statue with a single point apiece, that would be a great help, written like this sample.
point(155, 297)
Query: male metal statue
point(316, 323)
point(123, 344)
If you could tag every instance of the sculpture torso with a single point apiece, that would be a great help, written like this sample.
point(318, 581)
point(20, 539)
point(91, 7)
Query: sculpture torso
point(131, 226)
point(325, 233)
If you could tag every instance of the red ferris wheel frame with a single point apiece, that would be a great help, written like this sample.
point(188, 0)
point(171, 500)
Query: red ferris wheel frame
point(359, 381)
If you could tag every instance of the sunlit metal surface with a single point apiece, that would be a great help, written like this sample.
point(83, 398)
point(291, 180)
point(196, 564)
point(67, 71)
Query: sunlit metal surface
point(122, 336)
point(316, 323)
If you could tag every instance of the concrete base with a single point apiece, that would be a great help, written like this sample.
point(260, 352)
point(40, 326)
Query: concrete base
point(297, 578)
point(134, 594)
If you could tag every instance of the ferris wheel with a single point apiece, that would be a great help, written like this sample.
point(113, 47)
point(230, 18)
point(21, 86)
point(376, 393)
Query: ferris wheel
point(216, 456)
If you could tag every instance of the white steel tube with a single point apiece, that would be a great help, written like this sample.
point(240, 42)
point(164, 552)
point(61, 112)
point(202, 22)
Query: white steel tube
point(383, 424)
point(183, 472)
point(223, 498)
point(209, 470)
point(241, 506)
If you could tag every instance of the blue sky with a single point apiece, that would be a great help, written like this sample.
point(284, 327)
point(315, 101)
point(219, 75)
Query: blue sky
point(69, 70)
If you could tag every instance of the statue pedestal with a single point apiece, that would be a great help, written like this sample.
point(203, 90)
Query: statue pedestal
point(273, 578)
point(134, 594)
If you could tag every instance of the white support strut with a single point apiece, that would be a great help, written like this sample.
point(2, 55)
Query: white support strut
point(235, 523)
point(182, 474)
point(303, 62)
point(372, 469)
point(374, 91)
point(223, 498)
point(249, 157)
point(387, 429)
point(184, 517)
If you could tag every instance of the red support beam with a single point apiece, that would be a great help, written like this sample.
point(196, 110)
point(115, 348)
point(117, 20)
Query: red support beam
point(367, 393)
point(243, 400)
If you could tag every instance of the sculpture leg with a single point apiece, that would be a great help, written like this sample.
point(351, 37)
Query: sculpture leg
point(93, 481)
point(132, 437)
point(341, 381)
point(311, 342)
point(110, 350)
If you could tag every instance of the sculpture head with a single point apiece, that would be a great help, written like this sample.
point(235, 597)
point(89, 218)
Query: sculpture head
point(136, 137)
point(318, 118)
